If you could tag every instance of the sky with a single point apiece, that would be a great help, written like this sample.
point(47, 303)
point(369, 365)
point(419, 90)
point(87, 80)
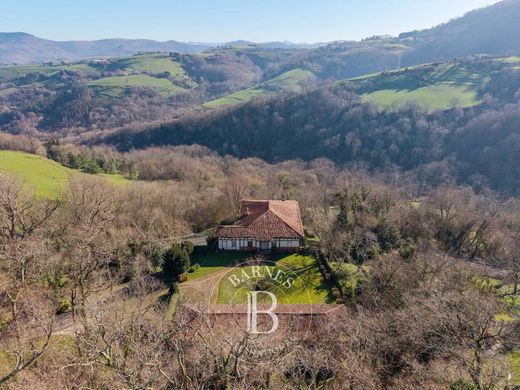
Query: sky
point(227, 20)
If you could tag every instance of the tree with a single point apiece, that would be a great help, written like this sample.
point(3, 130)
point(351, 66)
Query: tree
point(176, 261)
point(85, 240)
point(27, 306)
point(20, 212)
point(235, 193)
point(512, 263)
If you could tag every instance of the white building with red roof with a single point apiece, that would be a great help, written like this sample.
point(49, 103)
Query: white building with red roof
point(264, 225)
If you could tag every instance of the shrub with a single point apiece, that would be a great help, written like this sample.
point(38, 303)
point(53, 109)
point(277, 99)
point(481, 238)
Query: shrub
point(407, 249)
point(154, 253)
point(193, 268)
point(366, 247)
point(64, 306)
point(388, 235)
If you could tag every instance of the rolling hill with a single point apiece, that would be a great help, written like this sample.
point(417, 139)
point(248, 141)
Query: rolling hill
point(292, 81)
point(98, 95)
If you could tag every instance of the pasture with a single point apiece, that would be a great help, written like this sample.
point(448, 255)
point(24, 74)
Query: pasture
point(45, 177)
point(432, 86)
point(115, 86)
point(288, 82)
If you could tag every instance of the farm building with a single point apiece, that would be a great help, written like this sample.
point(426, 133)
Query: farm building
point(264, 225)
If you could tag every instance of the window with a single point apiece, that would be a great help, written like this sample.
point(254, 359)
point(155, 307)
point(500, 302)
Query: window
point(250, 244)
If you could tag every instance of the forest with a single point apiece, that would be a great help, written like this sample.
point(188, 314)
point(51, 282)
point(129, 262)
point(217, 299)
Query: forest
point(433, 302)
point(447, 146)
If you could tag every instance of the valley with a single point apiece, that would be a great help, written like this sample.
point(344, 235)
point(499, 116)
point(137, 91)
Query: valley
point(181, 214)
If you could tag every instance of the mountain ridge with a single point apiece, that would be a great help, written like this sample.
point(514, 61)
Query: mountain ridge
point(21, 48)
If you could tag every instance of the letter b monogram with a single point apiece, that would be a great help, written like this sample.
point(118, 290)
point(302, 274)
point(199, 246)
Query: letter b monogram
point(252, 312)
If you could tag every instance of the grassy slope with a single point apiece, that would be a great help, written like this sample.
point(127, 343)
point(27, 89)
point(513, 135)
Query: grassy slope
point(436, 97)
point(434, 86)
point(290, 81)
point(9, 73)
point(153, 63)
point(45, 176)
point(114, 86)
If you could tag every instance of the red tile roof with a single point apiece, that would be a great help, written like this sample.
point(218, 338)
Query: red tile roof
point(265, 220)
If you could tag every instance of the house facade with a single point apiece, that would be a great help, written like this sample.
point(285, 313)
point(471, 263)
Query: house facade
point(264, 225)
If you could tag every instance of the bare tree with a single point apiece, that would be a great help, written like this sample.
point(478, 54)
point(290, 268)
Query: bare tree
point(84, 239)
point(20, 212)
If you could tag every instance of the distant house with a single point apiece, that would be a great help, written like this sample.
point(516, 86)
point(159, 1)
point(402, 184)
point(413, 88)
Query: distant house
point(264, 225)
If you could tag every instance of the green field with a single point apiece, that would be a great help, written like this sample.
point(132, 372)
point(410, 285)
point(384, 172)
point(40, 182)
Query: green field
point(13, 72)
point(432, 86)
point(116, 85)
point(136, 71)
point(288, 82)
point(153, 63)
point(309, 288)
point(435, 97)
point(46, 177)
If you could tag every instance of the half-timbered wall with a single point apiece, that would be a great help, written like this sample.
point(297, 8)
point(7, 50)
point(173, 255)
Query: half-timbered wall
point(237, 244)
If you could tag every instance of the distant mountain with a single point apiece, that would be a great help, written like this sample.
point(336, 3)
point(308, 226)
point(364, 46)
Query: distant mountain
point(23, 48)
point(494, 30)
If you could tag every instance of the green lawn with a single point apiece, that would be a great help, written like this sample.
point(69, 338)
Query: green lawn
point(116, 85)
point(308, 288)
point(46, 177)
point(213, 262)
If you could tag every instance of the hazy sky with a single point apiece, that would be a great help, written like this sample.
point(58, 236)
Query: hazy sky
point(226, 20)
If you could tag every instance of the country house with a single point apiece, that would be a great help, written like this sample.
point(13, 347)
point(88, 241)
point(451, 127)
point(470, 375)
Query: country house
point(264, 225)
